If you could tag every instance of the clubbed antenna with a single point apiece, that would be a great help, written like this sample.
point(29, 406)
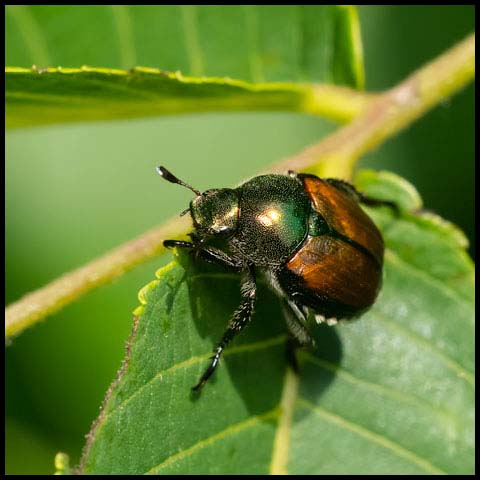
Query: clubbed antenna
point(163, 172)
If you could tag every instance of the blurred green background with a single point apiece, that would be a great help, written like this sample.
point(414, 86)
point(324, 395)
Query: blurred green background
point(73, 192)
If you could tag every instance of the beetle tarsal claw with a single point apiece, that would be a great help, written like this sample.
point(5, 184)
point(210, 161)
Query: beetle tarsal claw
point(332, 321)
point(319, 318)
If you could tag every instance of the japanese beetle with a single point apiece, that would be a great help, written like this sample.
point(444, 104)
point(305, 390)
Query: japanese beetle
point(319, 250)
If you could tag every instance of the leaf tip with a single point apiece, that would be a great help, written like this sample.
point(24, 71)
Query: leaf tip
point(145, 291)
point(62, 464)
point(389, 186)
point(163, 270)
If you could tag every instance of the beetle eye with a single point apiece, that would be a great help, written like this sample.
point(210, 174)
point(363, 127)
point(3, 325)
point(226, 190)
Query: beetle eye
point(223, 229)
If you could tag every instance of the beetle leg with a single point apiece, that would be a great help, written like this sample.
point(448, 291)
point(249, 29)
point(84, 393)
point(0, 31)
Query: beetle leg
point(298, 336)
point(296, 323)
point(240, 319)
point(350, 190)
point(345, 187)
point(177, 243)
point(212, 255)
point(374, 202)
point(290, 353)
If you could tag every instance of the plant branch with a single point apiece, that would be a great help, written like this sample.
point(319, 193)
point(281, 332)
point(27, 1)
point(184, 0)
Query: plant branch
point(387, 114)
point(52, 297)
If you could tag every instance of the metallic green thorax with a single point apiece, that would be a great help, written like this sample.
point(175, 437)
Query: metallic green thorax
point(265, 220)
point(273, 220)
point(215, 211)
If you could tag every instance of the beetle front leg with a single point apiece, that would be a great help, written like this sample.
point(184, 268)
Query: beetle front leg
point(177, 243)
point(240, 319)
point(211, 255)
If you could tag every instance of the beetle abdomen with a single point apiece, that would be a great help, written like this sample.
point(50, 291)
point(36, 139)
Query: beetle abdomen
point(332, 277)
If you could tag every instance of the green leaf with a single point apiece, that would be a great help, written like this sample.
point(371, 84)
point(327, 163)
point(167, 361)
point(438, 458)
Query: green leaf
point(38, 97)
point(273, 52)
point(392, 392)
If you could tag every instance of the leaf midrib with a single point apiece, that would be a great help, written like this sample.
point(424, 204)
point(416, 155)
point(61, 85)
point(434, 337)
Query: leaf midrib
point(123, 23)
point(192, 44)
point(281, 444)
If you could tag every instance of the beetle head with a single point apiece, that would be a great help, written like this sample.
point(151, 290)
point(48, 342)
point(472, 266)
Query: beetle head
point(214, 212)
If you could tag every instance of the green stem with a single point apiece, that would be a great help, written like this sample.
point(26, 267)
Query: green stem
point(52, 297)
point(335, 155)
point(388, 113)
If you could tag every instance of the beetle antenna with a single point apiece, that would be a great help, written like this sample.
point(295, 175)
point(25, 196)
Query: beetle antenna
point(170, 177)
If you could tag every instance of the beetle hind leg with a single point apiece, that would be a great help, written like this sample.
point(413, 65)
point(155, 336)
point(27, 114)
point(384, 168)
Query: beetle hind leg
point(298, 334)
point(296, 323)
point(350, 190)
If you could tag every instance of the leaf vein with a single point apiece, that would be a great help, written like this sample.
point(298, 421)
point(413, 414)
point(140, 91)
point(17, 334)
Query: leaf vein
point(254, 57)
point(194, 52)
point(231, 430)
point(371, 436)
point(375, 387)
point(428, 278)
point(460, 370)
point(302, 74)
point(122, 18)
point(32, 34)
point(250, 347)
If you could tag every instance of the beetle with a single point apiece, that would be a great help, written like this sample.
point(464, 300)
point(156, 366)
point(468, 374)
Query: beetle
point(320, 251)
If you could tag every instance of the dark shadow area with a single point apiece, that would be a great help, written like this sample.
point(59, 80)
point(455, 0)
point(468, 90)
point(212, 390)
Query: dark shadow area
point(318, 367)
point(258, 372)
